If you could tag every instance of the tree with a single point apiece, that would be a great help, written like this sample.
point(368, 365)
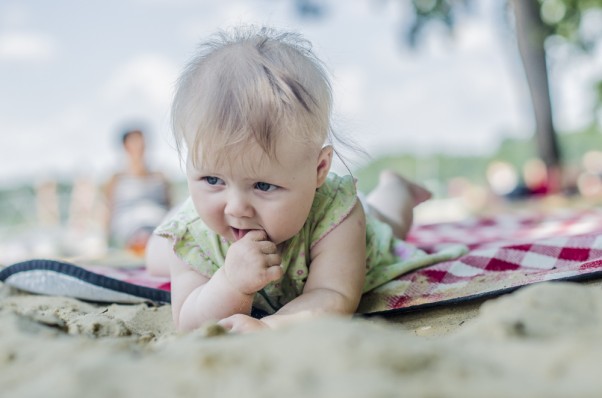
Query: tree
point(535, 23)
point(530, 38)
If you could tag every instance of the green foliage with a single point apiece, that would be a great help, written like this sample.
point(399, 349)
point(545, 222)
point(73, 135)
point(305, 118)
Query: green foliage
point(429, 170)
point(575, 145)
point(434, 170)
point(427, 11)
point(564, 18)
point(18, 203)
point(559, 18)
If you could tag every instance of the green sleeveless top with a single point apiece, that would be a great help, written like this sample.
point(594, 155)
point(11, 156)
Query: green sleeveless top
point(386, 257)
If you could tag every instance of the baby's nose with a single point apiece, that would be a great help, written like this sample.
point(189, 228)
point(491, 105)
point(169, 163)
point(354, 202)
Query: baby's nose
point(238, 206)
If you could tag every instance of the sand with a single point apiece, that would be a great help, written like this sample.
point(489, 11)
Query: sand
point(541, 341)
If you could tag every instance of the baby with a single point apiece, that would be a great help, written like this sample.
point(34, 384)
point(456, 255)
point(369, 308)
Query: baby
point(269, 235)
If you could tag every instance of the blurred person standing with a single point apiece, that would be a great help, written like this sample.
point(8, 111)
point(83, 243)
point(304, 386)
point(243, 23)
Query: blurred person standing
point(138, 197)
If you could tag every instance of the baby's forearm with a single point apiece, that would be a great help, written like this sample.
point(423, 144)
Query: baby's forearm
point(215, 300)
point(311, 304)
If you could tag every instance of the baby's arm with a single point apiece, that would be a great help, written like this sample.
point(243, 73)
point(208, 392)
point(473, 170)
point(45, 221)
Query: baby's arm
point(337, 270)
point(335, 281)
point(251, 263)
point(195, 298)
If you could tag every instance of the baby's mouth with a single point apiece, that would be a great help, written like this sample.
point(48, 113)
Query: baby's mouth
point(240, 233)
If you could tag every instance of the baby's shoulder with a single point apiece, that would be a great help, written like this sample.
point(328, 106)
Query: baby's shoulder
point(336, 191)
point(336, 186)
point(333, 202)
point(179, 220)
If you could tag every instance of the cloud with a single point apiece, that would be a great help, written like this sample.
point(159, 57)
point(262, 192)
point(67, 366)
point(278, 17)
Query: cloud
point(475, 35)
point(349, 90)
point(14, 14)
point(27, 46)
point(196, 26)
point(51, 142)
point(573, 89)
point(147, 78)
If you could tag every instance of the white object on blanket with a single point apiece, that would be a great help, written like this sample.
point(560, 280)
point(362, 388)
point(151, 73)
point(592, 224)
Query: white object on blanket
point(53, 283)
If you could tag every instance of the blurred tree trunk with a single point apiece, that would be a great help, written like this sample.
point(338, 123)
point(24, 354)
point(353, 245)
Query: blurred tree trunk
point(530, 35)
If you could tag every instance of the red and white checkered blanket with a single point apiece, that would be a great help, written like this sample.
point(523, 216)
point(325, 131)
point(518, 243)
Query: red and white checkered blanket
point(506, 252)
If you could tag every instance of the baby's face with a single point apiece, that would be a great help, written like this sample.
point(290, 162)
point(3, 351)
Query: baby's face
point(254, 192)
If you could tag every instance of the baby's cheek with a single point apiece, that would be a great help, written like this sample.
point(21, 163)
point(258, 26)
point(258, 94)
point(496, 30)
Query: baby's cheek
point(287, 219)
point(277, 229)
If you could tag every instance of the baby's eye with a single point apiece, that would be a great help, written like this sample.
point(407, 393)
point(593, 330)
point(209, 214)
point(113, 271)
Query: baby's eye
point(265, 187)
point(212, 180)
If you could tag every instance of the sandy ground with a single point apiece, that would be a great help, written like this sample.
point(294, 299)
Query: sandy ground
point(541, 341)
point(544, 340)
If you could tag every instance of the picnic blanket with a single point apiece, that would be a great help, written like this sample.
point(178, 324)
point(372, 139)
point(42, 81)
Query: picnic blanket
point(506, 252)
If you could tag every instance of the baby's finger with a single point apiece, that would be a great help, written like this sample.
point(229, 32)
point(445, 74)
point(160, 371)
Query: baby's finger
point(273, 259)
point(227, 324)
point(257, 235)
point(268, 247)
point(274, 273)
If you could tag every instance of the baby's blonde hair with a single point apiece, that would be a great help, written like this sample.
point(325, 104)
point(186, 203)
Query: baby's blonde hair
point(251, 83)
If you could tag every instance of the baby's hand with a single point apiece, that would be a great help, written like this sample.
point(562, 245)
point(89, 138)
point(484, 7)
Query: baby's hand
point(239, 323)
point(252, 262)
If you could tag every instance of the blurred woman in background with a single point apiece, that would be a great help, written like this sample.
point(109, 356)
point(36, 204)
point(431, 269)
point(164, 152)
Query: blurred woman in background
point(138, 197)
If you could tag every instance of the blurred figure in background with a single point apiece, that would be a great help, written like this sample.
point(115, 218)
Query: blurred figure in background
point(505, 181)
point(535, 177)
point(138, 197)
point(47, 203)
point(589, 181)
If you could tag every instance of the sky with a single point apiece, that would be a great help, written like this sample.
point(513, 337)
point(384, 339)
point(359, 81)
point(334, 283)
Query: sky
point(74, 74)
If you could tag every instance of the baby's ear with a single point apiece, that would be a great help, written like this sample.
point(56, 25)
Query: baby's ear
point(324, 162)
